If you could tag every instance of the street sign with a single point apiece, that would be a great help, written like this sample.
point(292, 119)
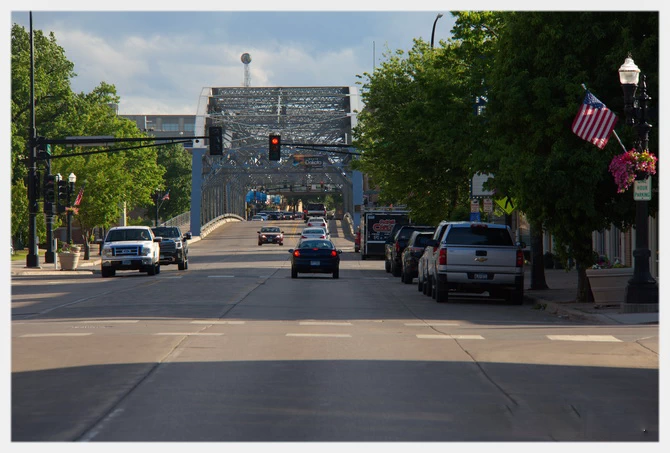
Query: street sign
point(507, 204)
point(488, 205)
point(474, 205)
point(642, 190)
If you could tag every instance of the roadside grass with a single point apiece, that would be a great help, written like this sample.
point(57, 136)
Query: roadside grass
point(22, 254)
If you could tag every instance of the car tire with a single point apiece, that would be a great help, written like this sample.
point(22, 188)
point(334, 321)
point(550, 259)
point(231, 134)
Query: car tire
point(433, 288)
point(151, 270)
point(387, 265)
point(182, 265)
point(407, 279)
point(419, 285)
point(107, 272)
point(260, 243)
point(294, 273)
point(158, 268)
point(426, 287)
point(336, 273)
point(281, 243)
point(441, 292)
point(514, 296)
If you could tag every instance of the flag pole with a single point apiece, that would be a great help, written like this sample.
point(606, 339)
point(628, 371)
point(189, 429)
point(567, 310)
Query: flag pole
point(613, 131)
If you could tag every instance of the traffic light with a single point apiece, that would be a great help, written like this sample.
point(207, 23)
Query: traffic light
point(215, 141)
point(62, 192)
point(275, 147)
point(49, 188)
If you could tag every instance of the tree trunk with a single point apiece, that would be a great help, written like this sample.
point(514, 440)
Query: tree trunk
point(584, 293)
point(537, 278)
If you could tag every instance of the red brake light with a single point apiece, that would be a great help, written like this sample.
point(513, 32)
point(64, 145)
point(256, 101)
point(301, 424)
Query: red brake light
point(442, 259)
point(519, 258)
point(397, 247)
point(296, 253)
point(333, 253)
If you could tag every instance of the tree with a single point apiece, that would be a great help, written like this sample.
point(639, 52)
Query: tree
point(561, 182)
point(177, 179)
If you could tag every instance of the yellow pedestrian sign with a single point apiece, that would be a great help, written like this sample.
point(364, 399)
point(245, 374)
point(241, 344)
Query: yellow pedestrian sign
point(507, 204)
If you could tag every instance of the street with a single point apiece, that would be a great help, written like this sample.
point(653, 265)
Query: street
point(234, 349)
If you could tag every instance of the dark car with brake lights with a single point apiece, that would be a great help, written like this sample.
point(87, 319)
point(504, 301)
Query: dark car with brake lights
point(315, 256)
point(270, 235)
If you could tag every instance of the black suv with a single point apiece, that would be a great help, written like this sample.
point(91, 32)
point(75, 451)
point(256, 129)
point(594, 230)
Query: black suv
point(174, 248)
point(397, 243)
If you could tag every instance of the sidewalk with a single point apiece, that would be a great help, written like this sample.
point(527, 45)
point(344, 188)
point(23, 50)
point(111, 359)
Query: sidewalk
point(561, 296)
point(559, 299)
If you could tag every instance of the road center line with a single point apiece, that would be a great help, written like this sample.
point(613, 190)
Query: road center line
point(324, 323)
point(450, 337)
point(218, 322)
point(432, 324)
point(35, 335)
point(189, 334)
point(602, 338)
point(333, 335)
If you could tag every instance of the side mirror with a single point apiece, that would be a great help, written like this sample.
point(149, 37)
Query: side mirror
point(339, 252)
point(187, 236)
point(291, 251)
point(158, 239)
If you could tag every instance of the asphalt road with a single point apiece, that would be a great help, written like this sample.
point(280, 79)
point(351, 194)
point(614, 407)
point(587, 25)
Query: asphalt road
point(234, 349)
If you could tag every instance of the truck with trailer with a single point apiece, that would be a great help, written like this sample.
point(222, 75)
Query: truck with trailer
point(376, 227)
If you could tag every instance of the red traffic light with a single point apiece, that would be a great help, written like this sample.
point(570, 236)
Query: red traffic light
point(274, 140)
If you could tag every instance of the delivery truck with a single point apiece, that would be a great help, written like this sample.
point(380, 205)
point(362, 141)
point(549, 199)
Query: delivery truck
point(376, 227)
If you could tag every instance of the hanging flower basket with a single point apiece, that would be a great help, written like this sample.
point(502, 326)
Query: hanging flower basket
point(632, 165)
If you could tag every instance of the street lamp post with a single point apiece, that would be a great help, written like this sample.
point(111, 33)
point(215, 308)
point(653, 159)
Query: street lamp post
point(432, 36)
point(642, 289)
point(70, 190)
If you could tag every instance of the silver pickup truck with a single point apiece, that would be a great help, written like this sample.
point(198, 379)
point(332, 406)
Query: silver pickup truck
point(474, 257)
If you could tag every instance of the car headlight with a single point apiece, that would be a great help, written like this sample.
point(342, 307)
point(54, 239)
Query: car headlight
point(106, 252)
point(263, 236)
point(146, 251)
point(178, 244)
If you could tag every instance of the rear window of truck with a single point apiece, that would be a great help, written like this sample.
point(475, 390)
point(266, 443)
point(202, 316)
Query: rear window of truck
point(477, 235)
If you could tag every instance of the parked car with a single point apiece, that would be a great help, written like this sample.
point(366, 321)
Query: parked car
point(315, 256)
point(424, 276)
point(270, 235)
point(257, 218)
point(410, 256)
point(476, 257)
point(174, 246)
point(314, 233)
point(395, 247)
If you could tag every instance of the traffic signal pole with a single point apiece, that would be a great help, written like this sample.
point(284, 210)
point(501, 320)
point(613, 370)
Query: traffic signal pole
point(50, 254)
point(33, 258)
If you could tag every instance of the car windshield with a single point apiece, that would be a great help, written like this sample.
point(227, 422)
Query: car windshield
point(422, 240)
point(316, 245)
point(128, 235)
point(270, 230)
point(166, 232)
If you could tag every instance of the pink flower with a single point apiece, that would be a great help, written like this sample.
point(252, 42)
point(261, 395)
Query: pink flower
point(626, 166)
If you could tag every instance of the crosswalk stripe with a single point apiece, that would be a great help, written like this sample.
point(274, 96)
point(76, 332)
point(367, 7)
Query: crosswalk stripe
point(603, 338)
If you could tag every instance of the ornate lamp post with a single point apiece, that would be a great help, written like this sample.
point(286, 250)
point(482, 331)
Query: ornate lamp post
point(70, 190)
point(432, 36)
point(642, 289)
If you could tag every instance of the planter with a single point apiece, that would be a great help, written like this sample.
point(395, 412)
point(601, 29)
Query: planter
point(609, 285)
point(68, 260)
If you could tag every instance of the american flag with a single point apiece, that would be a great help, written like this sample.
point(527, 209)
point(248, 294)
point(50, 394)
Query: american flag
point(594, 122)
point(80, 195)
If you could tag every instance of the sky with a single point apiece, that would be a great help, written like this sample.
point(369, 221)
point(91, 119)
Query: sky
point(160, 61)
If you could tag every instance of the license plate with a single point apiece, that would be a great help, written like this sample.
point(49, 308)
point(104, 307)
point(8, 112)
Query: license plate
point(125, 262)
point(316, 263)
point(481, 276)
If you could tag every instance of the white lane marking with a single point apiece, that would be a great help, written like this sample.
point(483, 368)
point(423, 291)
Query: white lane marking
point(605, 338)
point(189, 334)
point(35, 335)
point(324, 323)
point(176, 276)
point(220, 276)
point(432, 324)
point(218, 322)
point(333, 335)
point(375, 278)
point(450, 337)
point(112, 321)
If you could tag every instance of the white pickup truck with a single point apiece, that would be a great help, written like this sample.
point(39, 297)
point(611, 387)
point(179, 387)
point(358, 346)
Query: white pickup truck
point(474, 257)
point(130, 248)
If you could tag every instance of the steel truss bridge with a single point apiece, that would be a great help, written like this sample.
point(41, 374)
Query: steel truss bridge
point(315, 124)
